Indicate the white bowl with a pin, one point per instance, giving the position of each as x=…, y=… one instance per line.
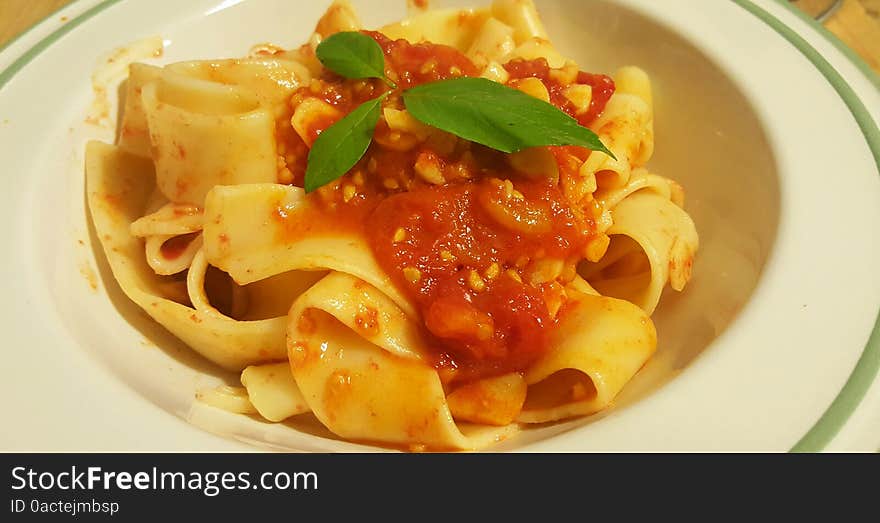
x=767, y=349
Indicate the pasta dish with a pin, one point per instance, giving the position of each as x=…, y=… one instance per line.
x=430, y=235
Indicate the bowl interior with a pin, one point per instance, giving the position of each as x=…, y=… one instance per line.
x=708, y=138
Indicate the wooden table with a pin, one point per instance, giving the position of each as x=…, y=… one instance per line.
x=856, y=22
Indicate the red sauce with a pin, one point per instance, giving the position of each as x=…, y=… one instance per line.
x=602, y=85
x=414, y=64
x=464, y=251
x=450, y=237
x=603, y=88
x=175, y=247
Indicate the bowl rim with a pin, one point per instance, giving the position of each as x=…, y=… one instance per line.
x=48, y=31
x=865, y=372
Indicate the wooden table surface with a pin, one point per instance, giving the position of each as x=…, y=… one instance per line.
x=856, y=22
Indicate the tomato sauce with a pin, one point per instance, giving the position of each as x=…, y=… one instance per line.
x=175, y=246
x=482, y=252
x=455, y=259
x=410, y=65
x=602, y=86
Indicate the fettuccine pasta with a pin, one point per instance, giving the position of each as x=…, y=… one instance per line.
x=439, y=295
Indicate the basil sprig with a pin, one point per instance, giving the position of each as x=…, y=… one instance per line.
x=496, y=116
x=341, y=145
x=475, y=109
x=353, y=55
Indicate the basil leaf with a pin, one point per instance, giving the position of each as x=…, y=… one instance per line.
x=352, y=55
x=496, y=116
x=342, y=144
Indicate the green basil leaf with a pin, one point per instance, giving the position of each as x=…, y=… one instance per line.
x=342, y=144
x=352, y=55
x=496, y=116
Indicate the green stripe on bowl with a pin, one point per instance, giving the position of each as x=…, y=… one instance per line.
x=865, y=371
x=837, y=42
x=32, y=53
x=9, y=43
